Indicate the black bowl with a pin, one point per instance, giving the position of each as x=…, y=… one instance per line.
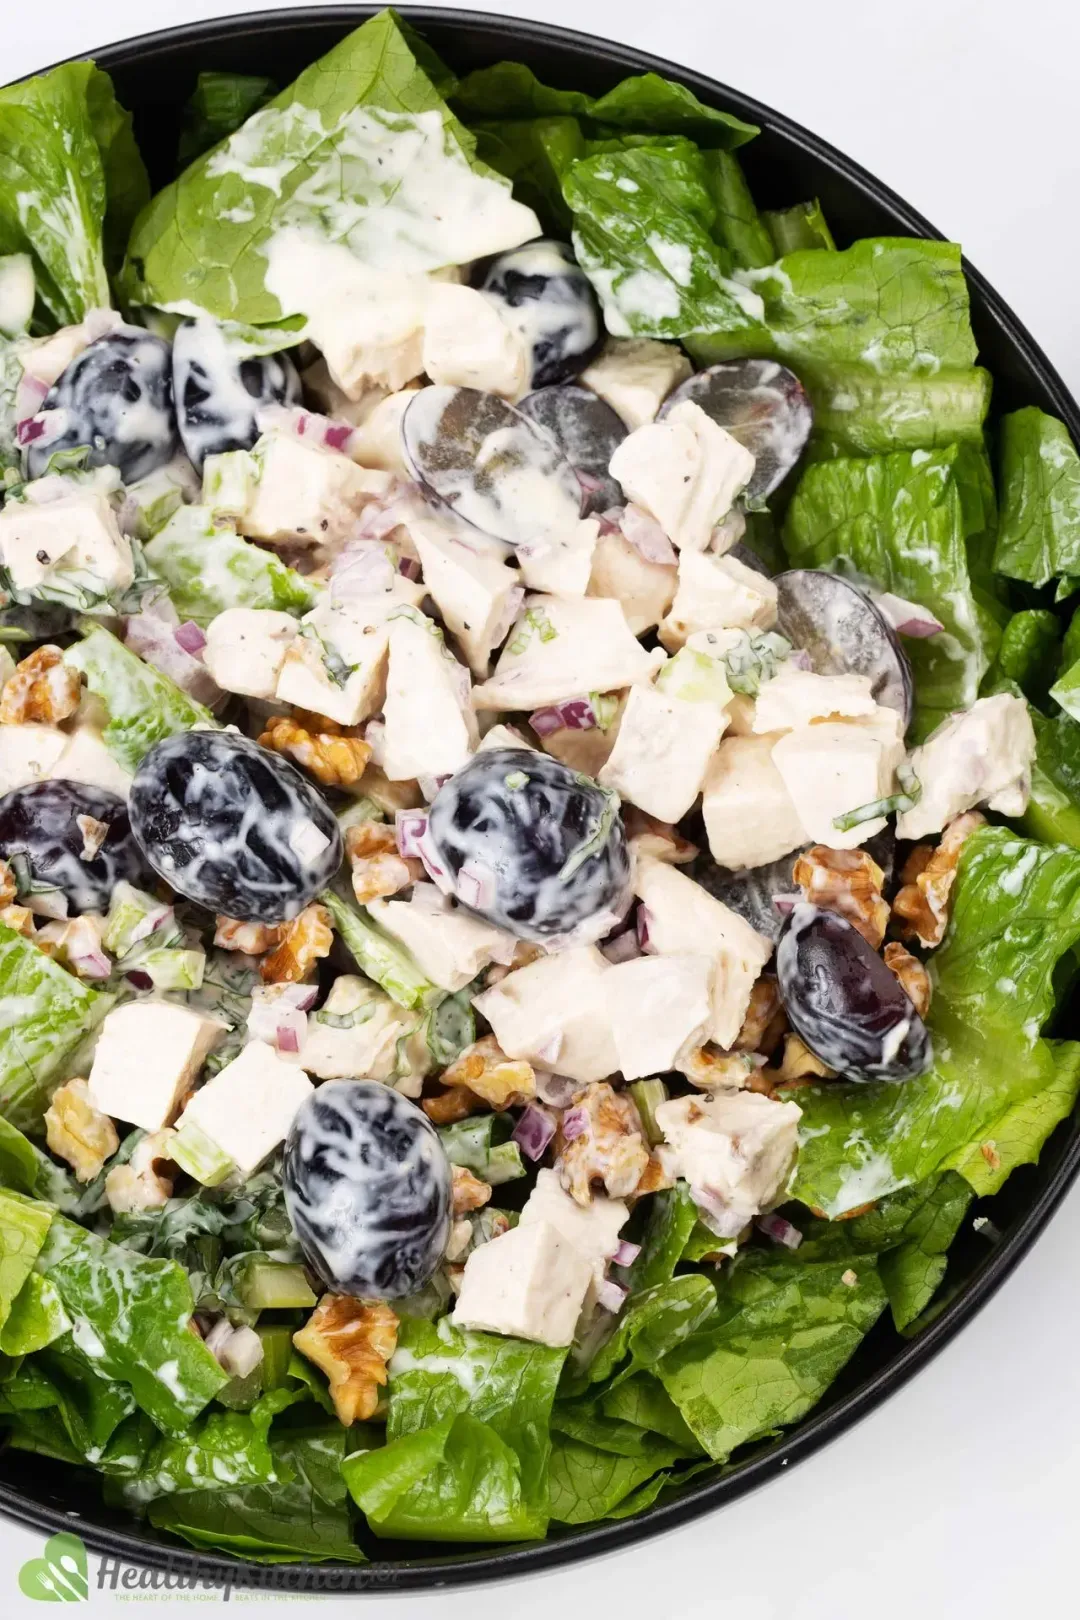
x=154, y=76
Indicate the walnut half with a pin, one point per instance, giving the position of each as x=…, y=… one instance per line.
x=307, y=938
x=351, y=1341
x=599, y=1139
x=334, y=760
x=848, y=882
x=913, y=977
x=42, y=689
x=78, y=1132
x=489, y=1074
x=928, y=876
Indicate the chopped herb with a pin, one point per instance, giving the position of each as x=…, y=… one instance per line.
x=894, y=804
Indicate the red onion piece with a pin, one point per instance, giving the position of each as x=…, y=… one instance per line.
x=611, y=521
x=573, y=714
x=409, y=828
x=779, y=1230
x=288, y=1039
x=647, y=537
x=574, y=1121
x=29, y=394
x=159, y=644
x=611, y=1296
x=29, y=429
x=433, y=867
x=626, y=1253
x=475, y=885
x=641, y=926
x=410, y=567
x=799, y=658
x=785, y=902
x=909, y=619
x=623, y=947
x=190, y=637
x=534, y=1131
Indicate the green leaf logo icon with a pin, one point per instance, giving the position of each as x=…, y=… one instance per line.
x=60, y=1575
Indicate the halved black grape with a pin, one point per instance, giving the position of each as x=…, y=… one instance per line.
x=844, y=634
x=845, y=1003
x=41, y=822
x=116, y=400
x=760, y=403
x=490, y=465
x=367, y=1188
x=234, y=827
x=532, y=846
x=548, y=298
x=587, y=431
x=218, y=393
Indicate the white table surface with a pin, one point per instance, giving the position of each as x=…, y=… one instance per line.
x=959, y=1497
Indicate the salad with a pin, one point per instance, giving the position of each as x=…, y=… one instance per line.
x=539, y=798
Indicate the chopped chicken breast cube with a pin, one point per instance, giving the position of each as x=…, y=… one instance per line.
x=645, y=590
x=658, y=1006
x=562, y=646
x=337, y=664
x=529, y=1283
x=685, y=471
x=735, y=1148
x=448, y=944
x=148, y=1054
x=662, y=751
x=430, y=725
x=983, y=756
x=750, y=816
x=476, y=593
x=635, y=376
x=795, y=697
x=246, y=647
x=306, y=494
x=717, y=593
x=593, y=1230
x=836, y=766
x=467, y=344
x=77, y=534
x=554, y=1013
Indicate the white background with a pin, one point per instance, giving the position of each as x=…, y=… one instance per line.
x=959, y=1498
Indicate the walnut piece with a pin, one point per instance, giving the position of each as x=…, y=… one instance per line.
x=42, y=688
x=654, y=1178
x=765, y=1021
x=351, y=1341
x=928, y=875
x=146, y=1181
x=447, y=1107
x=77, y=1131
x=599, y=1139
x=913, y=977
x=94, y=834
x=377, y=868
x=468, y=1192
x=799, y=1063
x=485, y=1069
x=334, y=760
x=848, y=882
x=660, y=839
x=9, y=888
x=307, y=938
x=249, y=938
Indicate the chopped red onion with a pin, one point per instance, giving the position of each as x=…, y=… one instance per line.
x=30, y=429
x=91, y=964
x=189, y=636
x=475, y=885
x=574, y=1122
x=409, y=828
x=573, y=714
x=287, y=1036
x=430, y=785
x=29, y=393
x=534, y=1131
x=779, y=1230
x=623, y=947
x=611, y=1296
x=219, y=1336
x=160, y=645
x=647, y=537
x=785, y=902
x=410, y=567
x=907, y=618
x=433, y=867
x=141, y=980
x=799, y=658
x=304, y=424
x=641, y=926
x=626, y=1253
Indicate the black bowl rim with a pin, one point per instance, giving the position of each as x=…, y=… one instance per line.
x=818, y=1428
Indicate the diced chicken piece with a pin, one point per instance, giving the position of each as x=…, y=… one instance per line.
x=430, y=725
x=735, y=1148
x=685, y=471
x=554, y=1013
x=836, y=766
x=530, y=1283
x=85, y=758
x=246, y=1109
x=467, y=344
x=750, y=816
x=337, y=664
x=305, y=494
x=371, y=327
x=983, y=756
x=592, y=1230
x=658, y=1006
x=662, y=751
x=795, y=697
x=563, y=566
x=48, y=358
x=77, y=534
x=148, y=1054
x=644, y=590
x=684, y=920
x=562, y=646
x=476, y=593
x=635, y=376
x=449, y=945
x=504, y=737
x=377, y=439
x=246, y=647
x=717, y=593
x=28, y=754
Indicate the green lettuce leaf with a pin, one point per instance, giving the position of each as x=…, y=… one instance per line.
x=303, y=1516
x=1053, y=812
x=586, y=1482
x=906, y=522
x=738, y=226
x=651, y=1323
x=1017, y=1135
x=208, y=569
x=90, y=1410
x=219, y=104
x=24, y=1226
x=672, y=1217
x=859, y=411
x=131, y=1317
x=1029, y=653
x=144, y=706
x=785, y=1326
x=793, y=229
x=1016, y=911
x=468, y=1438
x=1039, y=536
x=643, y=1400
x=203, y=240
x=127, y=184
x=222, y=1451
x=36, y=1318
x=45, y=1013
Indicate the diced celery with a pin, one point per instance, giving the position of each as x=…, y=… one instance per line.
x=229, y=482
x=504, y=1164
x=128, y=910
x=173, y=970
x=240, y=1394
x=694, y=677
x=648, y=1095
x=194, y=1152
x=273, y=1285
x=381, y=958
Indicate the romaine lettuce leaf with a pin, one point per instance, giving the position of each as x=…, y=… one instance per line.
x=467, y=1438
x=859, y=411
x=1029, y=653
x=127, y=184
x=1039, y=536
x=786, y=1325
x=90, y=1409
x=587, y=1482
x=219, y=104
x=24, y=1226
x=222, y=1451
x=208, y=569
x=738, y=226
x=204, y=241
x=793, y=229
x=1053, y=812
x=644, y=1401
x=36, y=1318
x=45, y=1012
x=131, y=1317
x=906, y=522
x=672, y=1217
x=1016, y=911
x=144, y=706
